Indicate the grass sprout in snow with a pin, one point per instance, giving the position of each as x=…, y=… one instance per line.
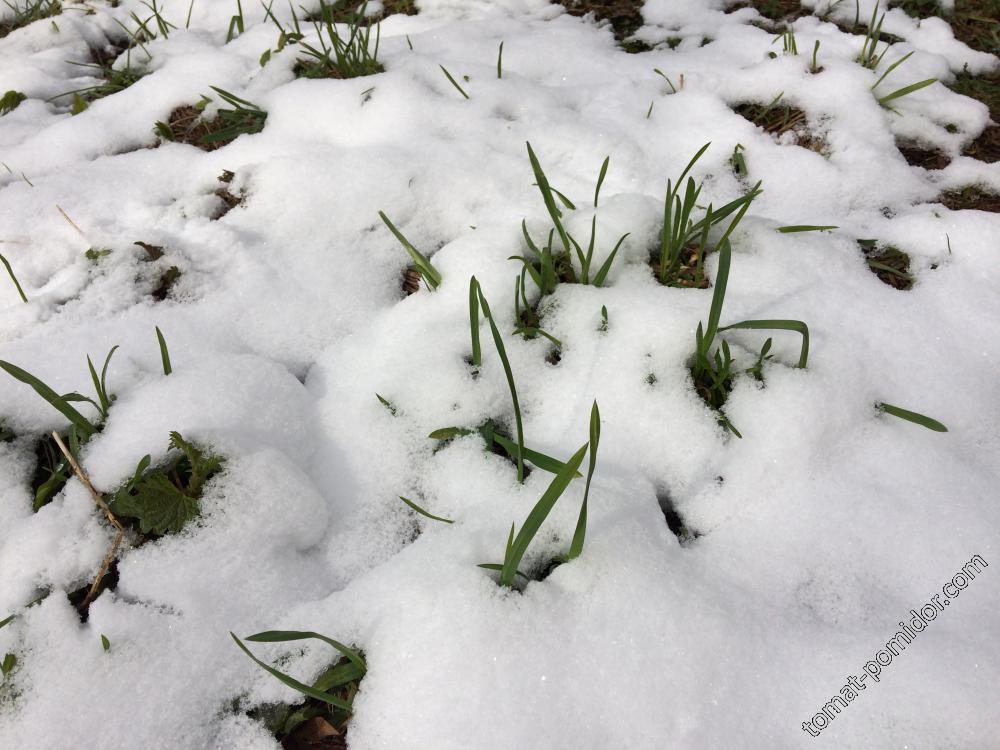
x=912, y=416
x=187, y=124
x=424, y=267
x=10, y=101
x=339, y=55
x=27, y=12
x=329, y=697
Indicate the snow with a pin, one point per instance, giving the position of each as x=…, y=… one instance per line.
x=818, y=530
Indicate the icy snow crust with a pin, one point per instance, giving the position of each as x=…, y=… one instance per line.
x=820, y=529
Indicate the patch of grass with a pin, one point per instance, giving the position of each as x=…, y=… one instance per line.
x=684, y=242
x=518, y=545
x=27, y=12
x=322, y=720
x=10, y=101
x=340, y=56
x=113, y=80
x=713, y=373
x=971, y=198
x=187, y=124
x=984, y=88
x=349, y=11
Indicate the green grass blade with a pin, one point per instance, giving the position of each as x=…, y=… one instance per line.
x=502, y=352
x=602, y=272
x=718, y=297
x=543, y=462
x=477, y=353
x=448, y=433
x=7, y=620
x=292, y=682
x=164, y=354
x=103, y=392
x=779, y=325
x=500, y=62
x=576, y=546
x=103, y=406
x=498, y=567
x=804, y=228
x=423, y=512
x=283, y=636
x=600, y=178
x=891, y=68
x=453, y=81
x=906, y=90
x=424, y=266
x=57, y=401
x=17, y=285
x=912, y=416
x=547, y=196
x=538, y=515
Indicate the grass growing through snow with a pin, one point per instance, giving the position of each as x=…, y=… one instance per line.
x=188, y=125
x=684, y=242
x=518, y=545
x=17, y=284
x=714, y=372
x=330, y=697
x=423, y=266
x=28, y=12
x=10, y=101
x=347, y=55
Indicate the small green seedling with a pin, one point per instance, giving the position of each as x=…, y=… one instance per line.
x=788, y=44
x=245, y=118
x=684, y=241
x=713, y=372
x=814, y=67
x=105, y=643
x=8, y=664
x=869, y=57
x=164, y=354
x=330, y=696
x=389, y=406
x=500, y=61
x=518, y=545
x=911, y=416
x=424, y=267
x=738, y=162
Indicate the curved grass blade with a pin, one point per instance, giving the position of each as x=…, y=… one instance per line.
x=576, y=546
x=60, y=403
x=547, y=196
x=502, y=352
x=600, y=178
x=500, y=62
x=906, y=90
x=912, y=416
x=477, y=353
x=778, y=325
x=283, y=636
x=164, y=354
x=424, y=266
x=718, y=297
x=291, y=681
x=543, y=462
x=17, y=285
x=423, y=512
x=537, y=516
x=602, y=272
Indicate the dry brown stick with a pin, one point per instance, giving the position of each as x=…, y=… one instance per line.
x=71, y=222
x=99, y=499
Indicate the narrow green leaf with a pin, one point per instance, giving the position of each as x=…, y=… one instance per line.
x=57, y=401
x=600, y=179
x=602, y=272
x=387, y=404
x=906, y=90
x=543, y=462
x=477, y=353
x=718, y=297
x=453, y=81
x=447, y=433
x=912, y=416
x=423, y=512
x=804, y=228
x=576, y=546
x=424, y=266
x=164, y=354
x=292, y=682
x=105, y=643
x=499, y=61
x=547, y=195
x=498, y=567
x=7, y=620
x=538, y=515
x=779, y=325
x=17, y=285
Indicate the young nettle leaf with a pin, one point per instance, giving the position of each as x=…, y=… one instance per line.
x=164, y=498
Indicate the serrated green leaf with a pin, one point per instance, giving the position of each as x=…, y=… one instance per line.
x=157, y=504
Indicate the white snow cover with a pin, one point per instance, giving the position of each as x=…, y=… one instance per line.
x=819, y=530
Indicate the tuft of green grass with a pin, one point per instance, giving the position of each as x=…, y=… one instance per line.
x=10, y=101
x=347, y=55
x=788, y=43
x=684, y=242
x=912, y=416
x=245, y=118
x=28, y=12
x=330, y=697
x=713, y=372
x=113, y=80
x=424, y=267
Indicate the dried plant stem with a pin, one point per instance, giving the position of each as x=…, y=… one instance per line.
x=120, y=531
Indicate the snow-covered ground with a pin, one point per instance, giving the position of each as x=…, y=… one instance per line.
x=817, y=532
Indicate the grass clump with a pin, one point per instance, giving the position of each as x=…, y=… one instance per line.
x=187, y=123
x=714, y=372
x=890, y=264
x=348, y=55
x=518, y=545
x=28, y=12
x=113, y=80
x=684, y=242
x=13, y=278
x=322, y=719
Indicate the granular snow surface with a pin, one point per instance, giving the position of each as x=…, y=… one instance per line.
x=805, y=543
